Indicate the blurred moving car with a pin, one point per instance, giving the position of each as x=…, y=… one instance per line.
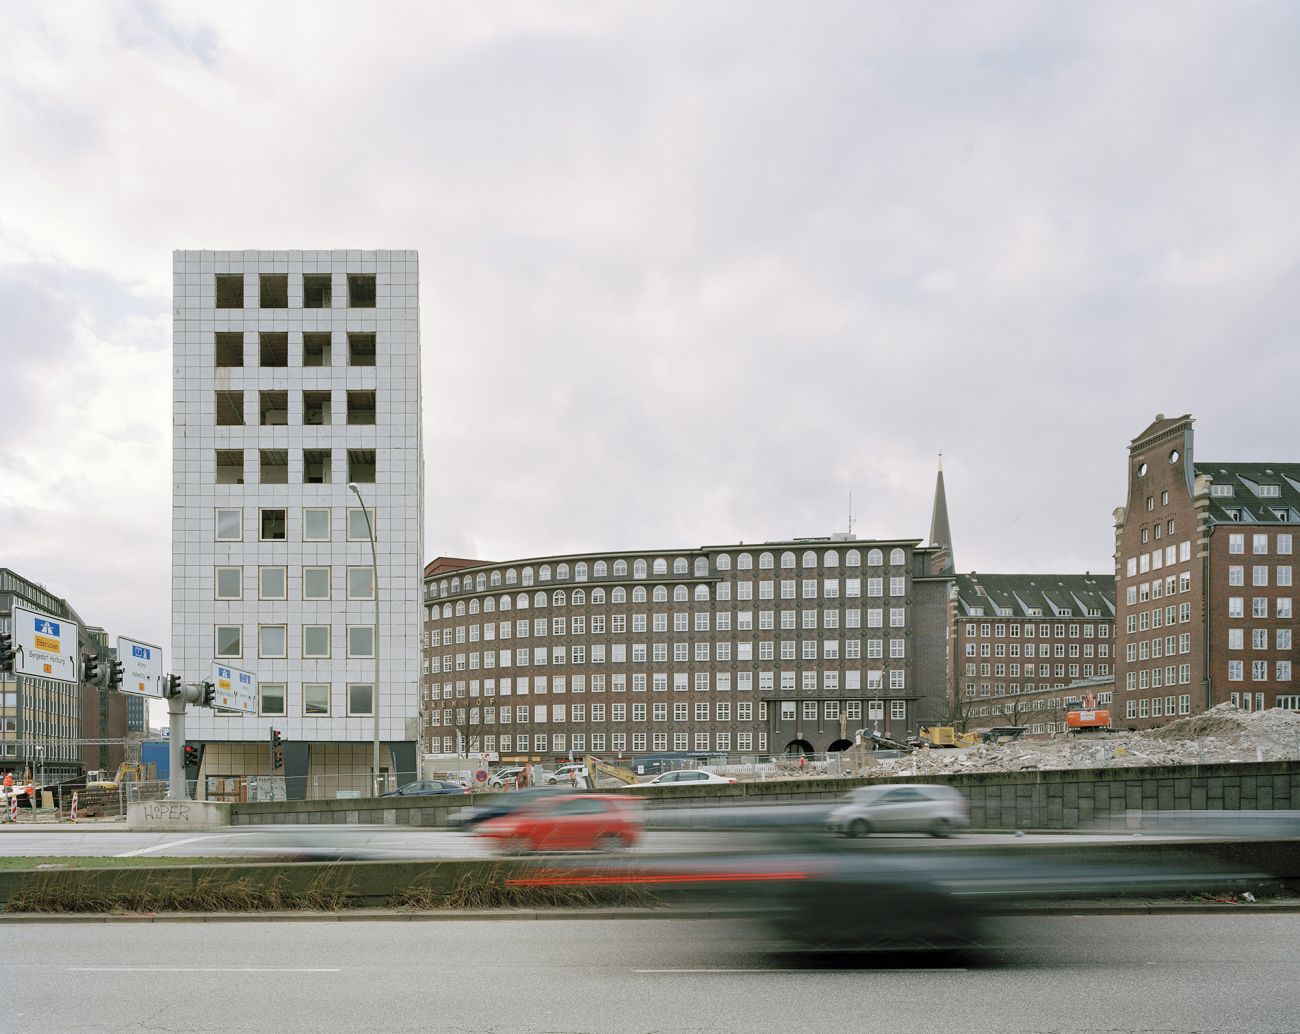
x=901, y=808
x=694, y=776
x=570, y=822
x=498, y=804
x=426, y=788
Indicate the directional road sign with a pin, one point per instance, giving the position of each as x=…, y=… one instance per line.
x=142, y=668
x=44, y=646
x=235, y=690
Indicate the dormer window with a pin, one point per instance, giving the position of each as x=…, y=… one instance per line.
x=1268, y=491
x=1221, y=490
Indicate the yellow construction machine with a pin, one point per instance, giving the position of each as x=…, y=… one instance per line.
x=127, y=771
x=612, y=774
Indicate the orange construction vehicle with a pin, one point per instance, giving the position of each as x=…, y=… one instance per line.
x=1087, y=717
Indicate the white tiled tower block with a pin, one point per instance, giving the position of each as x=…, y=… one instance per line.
x=395, y=498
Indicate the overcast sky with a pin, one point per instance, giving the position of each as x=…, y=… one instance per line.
x=691, y=273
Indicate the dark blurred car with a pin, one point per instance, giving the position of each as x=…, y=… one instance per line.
x=426, y=788
x=575, y=822
x=495, y=805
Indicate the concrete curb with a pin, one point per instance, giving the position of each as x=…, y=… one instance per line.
x=1081, y=909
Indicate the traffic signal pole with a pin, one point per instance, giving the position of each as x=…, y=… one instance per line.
x=193, y=693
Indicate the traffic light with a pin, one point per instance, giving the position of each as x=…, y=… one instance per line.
x=276, y=739
x=173, y=687
x=114, y=674
x=209, y=694
x=6, y=653
x=277, y=753
x=191, y=756
x=89, y=667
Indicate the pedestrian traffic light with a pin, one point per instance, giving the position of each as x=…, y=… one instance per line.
x=276, y=738
x=209, y=694
x=114, y=674
x=191, y=756
x=6, y=653
x=89, y=667
x=173, y=686
x=277, y=753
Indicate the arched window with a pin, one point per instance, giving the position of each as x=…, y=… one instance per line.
x=521, y=601
x=511, y=577
x=787, y=560
x=445, y=587
x=638, y=569
x=446, y=610
x=561, y=572
x=480, y=583
x=599, y=570
x=831, y=559
x=539, y=599
x=724, y=562
x=580, y=571
x=455, y=585
x=526, y=576
x=701, y=566
x=744, y=562
x=460, y=608
x=544, y=573
x=809, y=559
x=660, y=566
x=489, y=605
x=701, y=594
x=661, y=594
x=619, y=595
x=620, y=568
x=495, y=579
x=766, y=561
x=597, y=597
x=852, y=558
x=897, y=556
x=680, y=566
x=680, y=595
x=875, y=558
x=505, y=603
x=557, y=598
x=579, y=598
x=473, y=606
x=638, y=594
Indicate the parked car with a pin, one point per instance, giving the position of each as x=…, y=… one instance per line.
x=504, y=777
x=425, y=788
x=691, y=777
x=498, y=804
x=901, y=808
x=564, y=774
x=566, y=823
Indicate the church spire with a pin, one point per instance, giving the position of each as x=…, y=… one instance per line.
x=940, y=533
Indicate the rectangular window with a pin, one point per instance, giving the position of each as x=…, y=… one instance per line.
x=316, y=524
x=360, y=698
x=230, y=290
x=230, y=466
x=317, y=466
x=361, y=466
x=362, y=291
x=316, y=583
x=272, y=583
x=316, y=699
x=272, y=526
x=361, y=584
x=271, y=641
x=227, y=641
x=229, y=525
x=316, y=641
x=898, y=709
x=359, y=527
x=229, y=583
x=271, y=698
x=361, y=640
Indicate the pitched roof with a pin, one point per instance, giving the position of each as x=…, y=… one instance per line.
x=1253, y=493
x=1161, y=425
x=1035, y=595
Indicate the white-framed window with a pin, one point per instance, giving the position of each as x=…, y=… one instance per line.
x=361, y=583
x=272, y=583
x=357, y=529
x=227, y=641
x=270, y=698
x=316, y=641
x=316, y=699
x=315, y=583
x=272, y=641
x=361, y=640
x=229, y=525
x=228, y=583
x=361, y=698
x=898, y=710
x=316, y=524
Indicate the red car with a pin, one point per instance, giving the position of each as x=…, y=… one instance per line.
x=568, y=823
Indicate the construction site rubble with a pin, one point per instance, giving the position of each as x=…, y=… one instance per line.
x=1222, y=734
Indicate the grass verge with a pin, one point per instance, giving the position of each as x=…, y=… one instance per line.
x=99, y=861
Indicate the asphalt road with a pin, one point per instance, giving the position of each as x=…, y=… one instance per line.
x=405, y=842
x=1238, y=974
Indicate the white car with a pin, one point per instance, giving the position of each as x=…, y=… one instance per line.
x=686, y=777
x=563, y=774
x=901, y=808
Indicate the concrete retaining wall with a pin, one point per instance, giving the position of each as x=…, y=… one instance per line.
x=176, y=815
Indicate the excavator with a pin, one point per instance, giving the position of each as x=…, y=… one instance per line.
x=127, y=771
x=1087, y=717
x=613, y=775
x=946, y=736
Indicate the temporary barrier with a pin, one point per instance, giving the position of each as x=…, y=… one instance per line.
x=74, y=805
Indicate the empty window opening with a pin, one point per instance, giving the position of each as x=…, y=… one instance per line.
x=230, y=466
x=275, y=467
x=361, y=349
x=361, y=466
x=230, y=408
x=229, y=349
x=274, y=407
x=361, y=407
x=273, y=523
x=273, y=291
x=230, y=290
x=316, y=466
x=361, y=290
x=316, y=290
x=273, y=349
x=315, y=350
x=316, y=408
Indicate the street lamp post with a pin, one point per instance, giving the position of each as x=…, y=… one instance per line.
x=374, y=576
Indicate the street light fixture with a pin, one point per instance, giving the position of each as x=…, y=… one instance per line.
x=374, y=577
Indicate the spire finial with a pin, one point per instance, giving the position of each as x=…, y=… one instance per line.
x=940, y=463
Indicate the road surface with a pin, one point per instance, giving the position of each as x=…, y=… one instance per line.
x=1067, y=975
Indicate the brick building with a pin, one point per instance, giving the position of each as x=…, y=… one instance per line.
x=719, y=649
x=1204, y=565
x=1022, y=645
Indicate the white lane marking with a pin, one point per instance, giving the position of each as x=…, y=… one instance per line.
x=193, y=969
x=179, y=843
x=808, y=969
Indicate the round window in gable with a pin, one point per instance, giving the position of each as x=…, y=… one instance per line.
x=1142, y=470
x=1173, y=456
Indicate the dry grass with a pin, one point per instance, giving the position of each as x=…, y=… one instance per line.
x=488, y=890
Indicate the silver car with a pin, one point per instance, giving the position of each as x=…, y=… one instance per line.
x=901, y=808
